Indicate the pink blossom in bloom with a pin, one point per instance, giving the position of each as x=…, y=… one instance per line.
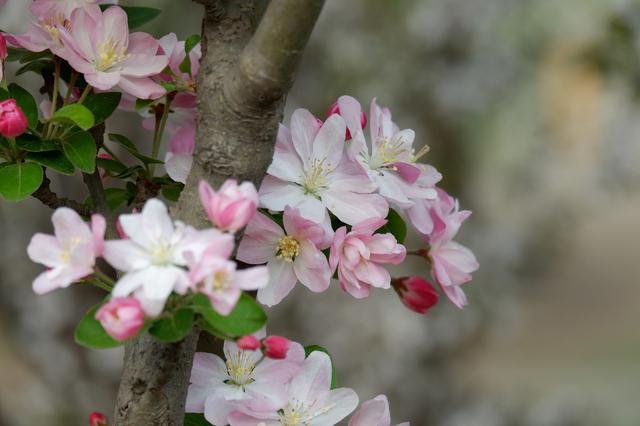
x=155, y=254
x=121, y=318
x=310, y=172
x=98, y=419
x=335, y=109
x=275, y=347
x=103, y=50
x=292, y=254
x=175, y=51
x=217, y=277
x=250, y=343
x=311, y=401
x=451, y=263
x=245, y=380
x=232, y=206
x=416, y=293
x=374, y=412
x=179, y=157
x=70, y=254
x=13, y=121
x=359, y=255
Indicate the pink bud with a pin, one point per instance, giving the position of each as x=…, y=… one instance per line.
x=3, y=48
x=122, y=318
x=416, y=293
x=248, y=343
x=97, y=419
x=232, y=207
x=13, y=122
x=335, y=109
x=275, y=347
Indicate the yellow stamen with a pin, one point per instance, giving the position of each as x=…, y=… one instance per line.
x=288, y=248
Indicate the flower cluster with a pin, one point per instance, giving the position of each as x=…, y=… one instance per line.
x=329, y=199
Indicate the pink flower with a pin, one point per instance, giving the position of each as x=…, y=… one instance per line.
x=179, y=157
x=216, y=277
x=121, y=318
x=69, y=255
x=335, y=109
x=250, y=343
x=310, y=172
x=246, y=380
x=53, y=8
x=374, y=412
x=98, y=419
x=175, y=50
x=3, y=54
x=275, y=347
x=102, y=49
x=416, y=293
x=291, y=255
x=232, y=206
x=310, y=400
x=156, y=253
x=360, y=254
x=13, y=122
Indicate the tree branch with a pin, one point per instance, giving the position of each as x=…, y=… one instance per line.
x=51, y=199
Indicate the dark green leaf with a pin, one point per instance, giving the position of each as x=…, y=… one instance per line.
x=14, y=54
x=395, y=225
x=116, y=197
x=33, y=56
x=26, y=102
x=102, y=105
x=137, y=16
x=195, y=419
x=191, y=42
x=80, y=149
x=36, y=66
x=143, y=103
x=90, y=333
x=111, y=165
x=18, y=181
x=314, y=348
x=52, y=159
x=78, y=114
x=129, y=172
x=172, y=192
x=31, y=143
x=4, y=95
x=174, y=328
x=247, y=317
x=133, y=150
x=185, y=65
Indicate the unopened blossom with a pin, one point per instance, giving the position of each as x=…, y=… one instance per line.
x=248, y=343
x=98, y=419
x=293, y=254
x=359, y=256
x=232, y=206
x=179, y=157
x=416, y=293
x=3, y=54
x=175, y=50
x=275, y=347
x=310, y=172
x=220, y=280
x=102, y=49
x=374, y=412
x=13, y=121
x=70, y=254
x=310, y=399
x=121, y=318
x=155, y=254
x=244, y=380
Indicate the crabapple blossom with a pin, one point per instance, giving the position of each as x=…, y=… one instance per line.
x=359, y=255
x=232, y=206
x=179, y=157
x=102, y=49
x=275, y=347
x=98, y=419
x=13, y=121
x=311, y=401
x=245, y=380
x=155, y=253
x=292, y=254
x=310, y=172
x=175, y=51
x=248, y=343
x=416, y=293
x=70, y=254
x=374, y=412
x=121, y=318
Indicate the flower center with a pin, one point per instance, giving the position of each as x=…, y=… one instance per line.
x=288, y=248
x=110, y=55
x=219, y=281
x=296, y=413
x=393, y=151
x=315, y=177
x=69, y=247
x=161, y=253
x=240, y=368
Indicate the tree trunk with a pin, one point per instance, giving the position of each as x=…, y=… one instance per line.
x=242, y=85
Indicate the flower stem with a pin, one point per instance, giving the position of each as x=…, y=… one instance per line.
x=104, y=278
x=72, y=85
x=85, y=93
x=54, y=96
x=159, y=132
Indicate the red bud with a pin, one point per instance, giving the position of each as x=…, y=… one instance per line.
x=275, y=347
x=248, y=343
x=416, y=293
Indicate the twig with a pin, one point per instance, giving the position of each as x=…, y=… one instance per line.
x=51, y=199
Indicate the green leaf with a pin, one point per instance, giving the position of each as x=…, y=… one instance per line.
x=195, y=419
x=111, y=165
x=191, y=42
x=31, y=143
x=136, y=15
x=314, y=348
x=90, y=333
x=172, y=192
x=185, y=65
x=37, y=67
x=133, y=150
x=116, y=197
x=247, y=317
x=174, y=328
x=55, y=160
x=80, y=149
x=78, y=114
x=395, y=225
x=4, y=95
x=129, y=172
x=18, y=181
x=26, y=103
x=102, y=105
x=143, y=103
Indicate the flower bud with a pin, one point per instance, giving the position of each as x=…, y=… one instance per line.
x=232, y=206
x=416, y=293
x=13, y=122
x=275, y=347
x=122, y=318
x=335, y=109
x=97, y=419
x=248, y=343
x=3, y=48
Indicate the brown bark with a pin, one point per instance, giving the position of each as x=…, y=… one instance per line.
x=242, y=86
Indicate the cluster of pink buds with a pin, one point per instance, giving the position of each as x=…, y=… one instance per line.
x=274, y=347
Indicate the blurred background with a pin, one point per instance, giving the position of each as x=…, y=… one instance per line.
x=531, y=111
